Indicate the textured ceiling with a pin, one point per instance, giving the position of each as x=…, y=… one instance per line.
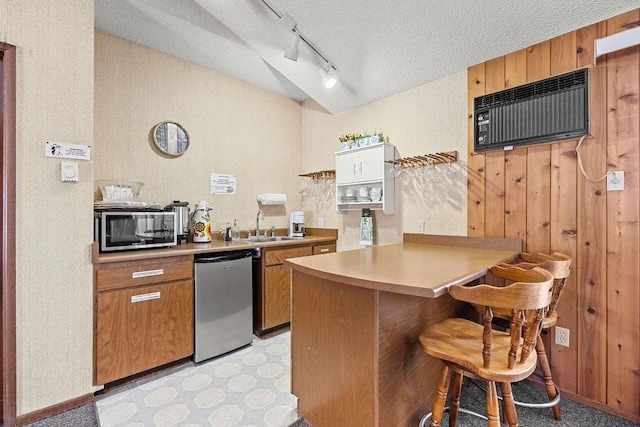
x=380, y=48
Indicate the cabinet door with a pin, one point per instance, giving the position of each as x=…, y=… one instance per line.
x=276, y=308
x=370, y=164
x=142, y=328
x=346, y=168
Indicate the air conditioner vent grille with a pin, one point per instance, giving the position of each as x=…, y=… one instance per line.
x=547, y=110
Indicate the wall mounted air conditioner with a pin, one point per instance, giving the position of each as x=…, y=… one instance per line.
x=548, y=110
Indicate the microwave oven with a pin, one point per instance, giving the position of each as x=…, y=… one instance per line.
x=128, y=230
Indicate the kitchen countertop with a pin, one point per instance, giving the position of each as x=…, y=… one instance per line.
x=416, y=269
x=326, y=236
x=356, y=318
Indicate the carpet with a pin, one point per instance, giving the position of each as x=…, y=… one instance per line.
x=574, y=414
x=82, y=416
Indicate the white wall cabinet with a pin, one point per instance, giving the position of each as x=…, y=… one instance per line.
x=365, y=167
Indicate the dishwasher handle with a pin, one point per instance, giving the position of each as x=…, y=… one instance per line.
x=225, y=256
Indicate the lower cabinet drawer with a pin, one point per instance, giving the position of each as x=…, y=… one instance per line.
x=278, y=256
x=324, y=249
x=142, y=328
x=135, y=273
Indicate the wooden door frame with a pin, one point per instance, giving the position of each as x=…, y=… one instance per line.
x=8, y=232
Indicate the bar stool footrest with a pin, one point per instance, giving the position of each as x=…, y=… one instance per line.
x=427, y=417
x=549, y=404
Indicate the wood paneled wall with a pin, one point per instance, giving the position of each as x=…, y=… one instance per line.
x=539, y=194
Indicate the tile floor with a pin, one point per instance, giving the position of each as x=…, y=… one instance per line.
x=248, y=387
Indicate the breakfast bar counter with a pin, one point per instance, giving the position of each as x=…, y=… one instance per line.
x=356, y=318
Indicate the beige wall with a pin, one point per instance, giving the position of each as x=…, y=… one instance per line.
x=54, y=282
x=427, y=119
x=235, y=128
x=264, y=139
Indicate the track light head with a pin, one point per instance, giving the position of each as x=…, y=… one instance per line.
x=328, y=72
x=329, y=78
x=292, y=52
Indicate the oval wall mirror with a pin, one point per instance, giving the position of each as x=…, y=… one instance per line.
x=170, y=138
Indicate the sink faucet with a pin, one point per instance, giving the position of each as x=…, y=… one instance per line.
x=260, y=212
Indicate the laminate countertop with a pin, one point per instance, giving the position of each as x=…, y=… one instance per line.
x=328, y=236
x=356, y=319
x=416, y=269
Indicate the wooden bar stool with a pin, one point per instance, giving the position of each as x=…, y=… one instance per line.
x=559, y=265
x=479, y=351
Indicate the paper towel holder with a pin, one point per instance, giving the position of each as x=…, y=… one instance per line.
x=272, y=198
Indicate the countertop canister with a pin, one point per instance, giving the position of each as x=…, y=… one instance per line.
x=201, y=223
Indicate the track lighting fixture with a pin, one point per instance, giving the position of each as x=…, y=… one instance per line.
x=328, y=72
x=292, y=52
x=329, y=78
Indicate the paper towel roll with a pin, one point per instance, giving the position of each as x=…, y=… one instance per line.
x=272, y=199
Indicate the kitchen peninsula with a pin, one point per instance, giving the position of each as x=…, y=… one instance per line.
x=356, y=318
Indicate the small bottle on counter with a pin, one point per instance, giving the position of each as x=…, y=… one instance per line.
x=235, y=230
x=227, y=233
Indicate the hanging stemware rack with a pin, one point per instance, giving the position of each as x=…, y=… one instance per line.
x=315, y=176
x=425, y=159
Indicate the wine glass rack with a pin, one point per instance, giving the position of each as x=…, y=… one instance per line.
x=425, y=159
x=315, y=176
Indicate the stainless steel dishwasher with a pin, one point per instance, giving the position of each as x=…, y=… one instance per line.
x=223, y=303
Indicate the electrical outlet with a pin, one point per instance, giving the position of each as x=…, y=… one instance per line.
x=562, y=336
x=615, y=181
x=421, y=227
x=320, y=222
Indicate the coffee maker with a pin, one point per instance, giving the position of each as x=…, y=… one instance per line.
x=296, y=224
x=181, y=210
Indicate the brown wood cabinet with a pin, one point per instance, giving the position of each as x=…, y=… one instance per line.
x=143, y=315
x=272, y=284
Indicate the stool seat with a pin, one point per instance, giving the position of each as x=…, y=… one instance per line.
x=479, y=351
x=559, y=265
x=456, y=341
x=550, y=320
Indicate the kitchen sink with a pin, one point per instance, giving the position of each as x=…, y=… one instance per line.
x=261, y=239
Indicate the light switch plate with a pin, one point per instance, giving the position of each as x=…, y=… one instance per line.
x=615, y=180
x=69, y=171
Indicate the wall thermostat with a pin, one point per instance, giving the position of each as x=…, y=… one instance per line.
x=69, y=171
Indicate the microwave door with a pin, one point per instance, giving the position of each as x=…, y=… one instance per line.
x=120, y=230
x=137, y=230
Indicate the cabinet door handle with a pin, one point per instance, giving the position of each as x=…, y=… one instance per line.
x=354, y=168
x=145, y=297
x=360, y=168
x=324, y=250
